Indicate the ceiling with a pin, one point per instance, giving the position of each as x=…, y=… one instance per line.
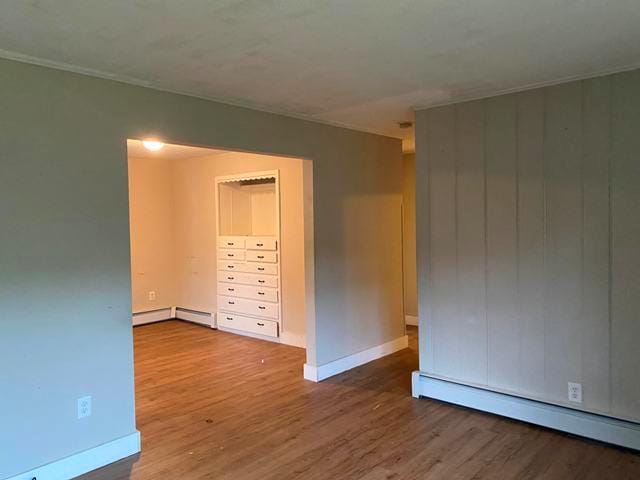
x=364, y=64
x=169, y=151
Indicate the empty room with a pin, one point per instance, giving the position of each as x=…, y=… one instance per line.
x=285, y=239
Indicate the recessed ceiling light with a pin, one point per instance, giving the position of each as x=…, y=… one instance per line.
x=152, y=145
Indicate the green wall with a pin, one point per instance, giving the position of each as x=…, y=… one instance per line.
x=65, y=292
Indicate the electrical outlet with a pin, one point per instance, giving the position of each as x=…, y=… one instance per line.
x=575, y=392
x=84, y=407
x=152, y=295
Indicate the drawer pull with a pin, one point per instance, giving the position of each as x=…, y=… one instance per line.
x=230, y=243
x=261, y=269
x=231, y=289
x=260, y=256
x=230, y=255
x=231, y=278
x=260, y=281
x=230, y=319
x=259, y=244
x=231, y=303
x=260, y=293
x=261, y=307
x=230, y=266
x=260, y=324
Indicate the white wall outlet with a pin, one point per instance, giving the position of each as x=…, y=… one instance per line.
x=575, y=392
x=152, y=295
x=84, y=407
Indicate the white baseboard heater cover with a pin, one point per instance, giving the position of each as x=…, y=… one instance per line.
x=605, y=429
x=152, y=316
x=195, y=316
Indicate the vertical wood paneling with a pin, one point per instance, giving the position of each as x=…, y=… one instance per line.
x=595, y=323
x=547, y=202
x=563, y=268
x=501, y=175
x=471, y=331
x=625, y=268
x=443, y=242
x=531, y=217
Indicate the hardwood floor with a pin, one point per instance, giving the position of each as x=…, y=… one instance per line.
x=212, y=405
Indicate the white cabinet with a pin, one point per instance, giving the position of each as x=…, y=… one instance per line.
x=248, y=223
x=248, y=307
x=248, y=291
x=270, y=281
x=261, y=243
x=258, y=256
x=234, y=321
x=231, y=242
x=249, y=267
x=229, y=254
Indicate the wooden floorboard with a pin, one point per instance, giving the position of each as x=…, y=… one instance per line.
x=213, y=405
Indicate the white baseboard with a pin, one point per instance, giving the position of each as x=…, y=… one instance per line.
x=411, y=320
x=83, y=462
x=317, y=374
x=293, y=339
x=196, y=316
x=152, y=316
x=589, y=425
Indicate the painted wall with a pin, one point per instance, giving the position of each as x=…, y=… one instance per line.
x=528, y=233
x=195, y=214
x=151, y=210
x=409, y=234
x=65, y=281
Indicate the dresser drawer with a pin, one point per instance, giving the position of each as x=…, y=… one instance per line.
x=248, y=279
x=253, y=325
x=230, y=266
x=257, y=256
x=248, y=291
x=261, y=243
x=228, y=254
x=261, y=268
x=248, y=307
x=231, y=242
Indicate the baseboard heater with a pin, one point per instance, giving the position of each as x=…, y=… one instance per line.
x=202, y=318
x=605, y=429
x=151, y=316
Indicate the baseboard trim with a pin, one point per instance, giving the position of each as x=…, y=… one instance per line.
x=322, y=372
x=152, y=316
x=597, y=427
x=86, y=461
x=411, y=320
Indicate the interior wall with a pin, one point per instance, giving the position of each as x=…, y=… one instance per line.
x=528, y=238
x=409, y=234
x=151, y=213
x=65, y=287
x=195, y=225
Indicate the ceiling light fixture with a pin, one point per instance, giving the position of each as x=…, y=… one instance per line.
x=152, y=145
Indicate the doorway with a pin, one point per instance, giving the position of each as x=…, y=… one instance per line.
x=189, y=263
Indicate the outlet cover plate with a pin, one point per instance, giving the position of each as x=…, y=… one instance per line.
x=575, y=392
x=84, y=407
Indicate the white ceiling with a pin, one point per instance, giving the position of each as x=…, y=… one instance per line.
x=169, y=151
x=357, y=63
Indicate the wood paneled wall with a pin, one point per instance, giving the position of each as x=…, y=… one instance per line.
x=528, y=233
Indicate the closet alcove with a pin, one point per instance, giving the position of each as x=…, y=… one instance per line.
x=248, y=254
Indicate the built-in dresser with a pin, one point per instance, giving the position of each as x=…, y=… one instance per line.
x=248, y=252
